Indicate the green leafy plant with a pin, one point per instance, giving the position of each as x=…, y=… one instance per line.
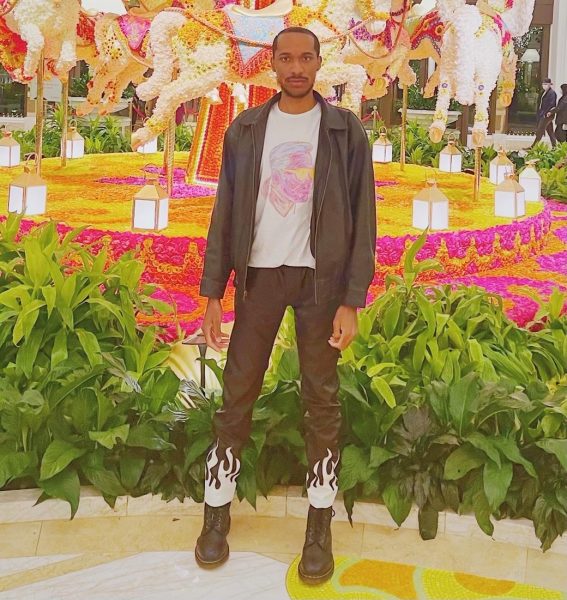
x=183, y=138
x=417, y=101
x=447, y=404
x=83, y=388
x=102, y=134
x=78, y=85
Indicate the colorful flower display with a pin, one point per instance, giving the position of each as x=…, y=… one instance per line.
x=49, y=27
x=477, y=48
x=513, y=258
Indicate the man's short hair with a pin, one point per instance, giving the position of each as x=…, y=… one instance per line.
x=316, y=42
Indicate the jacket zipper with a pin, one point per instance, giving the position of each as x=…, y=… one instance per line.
x=252, y=212
x=319, y=210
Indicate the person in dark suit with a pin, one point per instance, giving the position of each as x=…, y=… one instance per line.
x=545, y=113
x=560, y=113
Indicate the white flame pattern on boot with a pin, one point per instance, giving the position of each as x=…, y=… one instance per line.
x=322, y=482
x=220, y=482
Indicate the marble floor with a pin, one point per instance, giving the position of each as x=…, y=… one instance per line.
x=143, y=557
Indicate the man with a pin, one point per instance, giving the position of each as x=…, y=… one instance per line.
x=295, y=218
x=560, y=113
x=547, y=103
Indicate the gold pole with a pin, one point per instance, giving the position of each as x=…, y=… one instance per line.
x=403, y=135
x=39, y=108
x=477, y=172
x=170, y=154
x=64, y=124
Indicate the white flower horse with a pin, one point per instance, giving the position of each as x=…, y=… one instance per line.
x=233, y=44
x=477, y=46
x=48, y=26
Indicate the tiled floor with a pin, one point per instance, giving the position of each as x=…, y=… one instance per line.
x=143, y=557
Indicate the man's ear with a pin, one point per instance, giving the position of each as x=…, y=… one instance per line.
x=272, y=63
x=320, y=62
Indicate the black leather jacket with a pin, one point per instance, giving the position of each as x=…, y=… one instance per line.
x=343, y=221
x=561, y=111
x=547, y=103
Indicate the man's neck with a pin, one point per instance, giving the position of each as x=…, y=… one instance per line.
x=296, y=106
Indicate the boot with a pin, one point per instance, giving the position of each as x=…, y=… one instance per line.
x=317, y=564
x=212, y=548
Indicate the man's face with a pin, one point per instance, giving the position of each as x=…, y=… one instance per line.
x=296, y=63
x=545, y=86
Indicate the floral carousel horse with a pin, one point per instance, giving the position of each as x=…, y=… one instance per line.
x=234, y=44
x=14, y=49
x=122, y=57
x=477, y=48
x=386, y=59
x=44, y=26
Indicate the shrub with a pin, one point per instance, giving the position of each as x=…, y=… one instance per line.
x=82, y=387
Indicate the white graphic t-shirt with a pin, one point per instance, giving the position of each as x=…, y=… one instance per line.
x=285, y=198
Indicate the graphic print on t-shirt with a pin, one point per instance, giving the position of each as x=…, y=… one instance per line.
x=291, y=179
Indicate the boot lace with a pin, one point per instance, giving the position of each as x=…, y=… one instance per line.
x=318, y=523
x=216, y=518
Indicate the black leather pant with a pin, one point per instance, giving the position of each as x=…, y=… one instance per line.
x=257, y=320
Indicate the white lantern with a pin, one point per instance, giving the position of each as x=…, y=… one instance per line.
x=530, y=180
x=500, y=167
x=382, y=148
x=431, y=208
x=27, y=194
x=510, y=199
x=75, y=144
x=9, y=151
x=451, y=159
x=150, y=208
x=149, y=147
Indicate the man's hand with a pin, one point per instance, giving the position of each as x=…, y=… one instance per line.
x=345, y=327
x=215, y=338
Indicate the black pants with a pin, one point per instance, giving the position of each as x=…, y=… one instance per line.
x=560, y=133
x=257, y=320
x=545, y=125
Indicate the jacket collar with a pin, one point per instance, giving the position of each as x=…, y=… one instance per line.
x=330, y=115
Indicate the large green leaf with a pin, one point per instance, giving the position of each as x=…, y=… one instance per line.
x=486, y=444
x=383, y=390
x=510, y=450
x=463, y=401
x=27, y=353
x=145, y=436
x=65, y=486
x=557, y=448
x=26, y=320
x=462, y=460
x=59, y=350
x=131, y=469
x=14, y=464
x=110, y=437
x=90, y=345
x=496, y=479
x=428, y=519
x=354, y=467
x=397, y=504
x=104, y=480
x=37, y=264
x=59, y=454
